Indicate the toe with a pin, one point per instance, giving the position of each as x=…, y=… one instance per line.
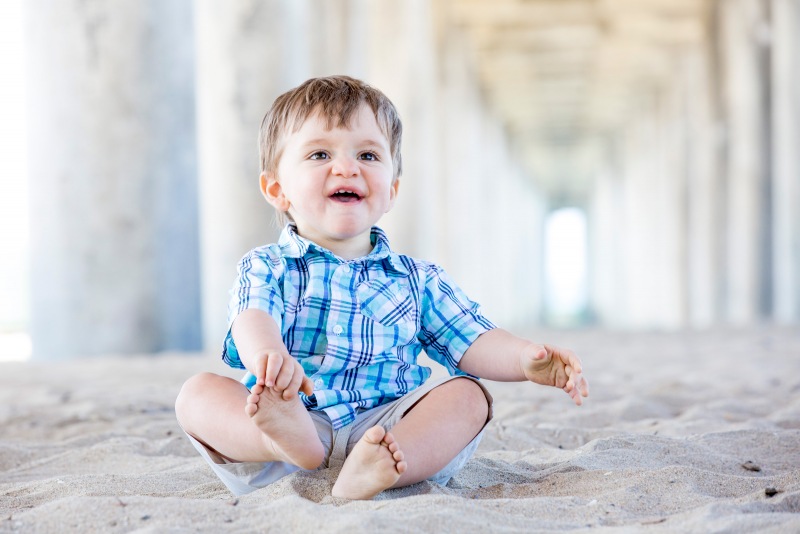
x=388, y=439
x=375, y=434
x=401, y=467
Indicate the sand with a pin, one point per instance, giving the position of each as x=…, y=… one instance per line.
x=696, y=432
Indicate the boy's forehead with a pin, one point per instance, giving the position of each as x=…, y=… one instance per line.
x=329, y=121
x=319, y=122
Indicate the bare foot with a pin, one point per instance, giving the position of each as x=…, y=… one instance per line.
x=286, y=426
x=374, y=464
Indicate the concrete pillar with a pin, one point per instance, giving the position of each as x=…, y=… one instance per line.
x=640, y=210
x=489, y=223
x=741, y=38
x=606, y=243
x=652, y=240
x=786, y=158
x=401, y=61
x=704, y=202
x=462, y=167
x=621, y=228
x=526, y=231
x=113, y=178
x=248, y=52
x=497, y=247
x=672, y=163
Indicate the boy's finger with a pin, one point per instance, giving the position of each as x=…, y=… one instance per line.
x=580, y=385
x=569, y=359
x=261, y=370
x=306, y=385
x=293, y=386
x=575, y=395
x=274, y=365
x=285, y=376
x=539, y=354
x=584, y=386
x=575, y=362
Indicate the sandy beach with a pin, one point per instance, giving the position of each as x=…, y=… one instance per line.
x=695, y=432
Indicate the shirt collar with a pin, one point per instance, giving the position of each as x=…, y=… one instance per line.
x=294, y=246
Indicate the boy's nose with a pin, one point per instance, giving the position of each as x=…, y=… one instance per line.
x=345, y=166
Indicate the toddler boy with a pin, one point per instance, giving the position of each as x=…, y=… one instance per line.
x=329, y=322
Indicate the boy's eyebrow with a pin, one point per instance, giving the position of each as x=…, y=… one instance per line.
x=313, y=142
x=373, y=143
x=323, y=141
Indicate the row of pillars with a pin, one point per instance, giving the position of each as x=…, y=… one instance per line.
x=143, y=125
x=144, y=194
x=695, y=219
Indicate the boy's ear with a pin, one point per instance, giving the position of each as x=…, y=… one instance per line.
x=393, y=193
x=272, y=191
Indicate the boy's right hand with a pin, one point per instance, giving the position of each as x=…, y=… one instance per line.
x=261, y=348
x=278, y=370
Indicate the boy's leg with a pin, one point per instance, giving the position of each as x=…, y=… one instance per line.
x=430, y=434
x=439, y=426
x=211, y=408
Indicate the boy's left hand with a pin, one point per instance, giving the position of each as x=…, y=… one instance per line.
x=552, y=366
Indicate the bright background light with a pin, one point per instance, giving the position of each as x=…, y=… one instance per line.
x=566, y=286
x=14, y=340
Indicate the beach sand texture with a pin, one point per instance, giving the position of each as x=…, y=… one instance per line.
x=695, y=432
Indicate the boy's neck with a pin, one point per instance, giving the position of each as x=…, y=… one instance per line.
x=351, y=251
x=347, y=249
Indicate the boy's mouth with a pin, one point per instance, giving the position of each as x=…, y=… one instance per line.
x=345, y=195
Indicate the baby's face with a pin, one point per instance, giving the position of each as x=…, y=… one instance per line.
x=336, y=184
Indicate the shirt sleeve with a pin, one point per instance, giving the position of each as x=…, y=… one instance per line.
x=450, y=321
x=257, y=286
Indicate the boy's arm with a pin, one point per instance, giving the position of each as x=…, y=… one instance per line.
x=262, y=351
x=502, y=356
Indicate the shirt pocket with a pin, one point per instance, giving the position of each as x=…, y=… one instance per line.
x=387, y=302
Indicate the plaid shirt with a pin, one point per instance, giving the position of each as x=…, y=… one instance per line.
x=355, y=326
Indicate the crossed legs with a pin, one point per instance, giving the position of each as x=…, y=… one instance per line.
x=422, y=443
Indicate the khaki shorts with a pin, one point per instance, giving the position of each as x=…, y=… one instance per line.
x=244, y=477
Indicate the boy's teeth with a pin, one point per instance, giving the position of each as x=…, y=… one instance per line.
x=346, y=192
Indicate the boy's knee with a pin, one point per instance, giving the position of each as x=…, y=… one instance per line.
x=476, y=405
x=188, y=394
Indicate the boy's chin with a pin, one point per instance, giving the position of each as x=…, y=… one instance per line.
x=351, y=235
x=350, y=229
x=339, y=233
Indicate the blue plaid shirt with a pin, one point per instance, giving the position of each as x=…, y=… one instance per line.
x=358, y=326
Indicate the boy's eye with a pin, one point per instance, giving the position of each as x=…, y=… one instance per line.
x=369, y=156
x=319, y=155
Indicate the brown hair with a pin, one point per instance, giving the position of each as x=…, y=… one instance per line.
x=337, y=99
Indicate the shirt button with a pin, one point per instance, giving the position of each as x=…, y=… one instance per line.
x=338, y=329
x=318, y=383
x=346, y=267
